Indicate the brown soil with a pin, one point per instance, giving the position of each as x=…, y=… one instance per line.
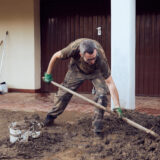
x=71, y=138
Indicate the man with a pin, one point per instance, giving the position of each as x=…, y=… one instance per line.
x=88, y=62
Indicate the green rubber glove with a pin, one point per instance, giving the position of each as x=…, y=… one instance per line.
x=118, y=111
x=48, y=78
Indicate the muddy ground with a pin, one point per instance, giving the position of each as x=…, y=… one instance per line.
x=71, y=138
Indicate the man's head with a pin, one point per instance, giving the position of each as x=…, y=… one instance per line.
x=88, y=50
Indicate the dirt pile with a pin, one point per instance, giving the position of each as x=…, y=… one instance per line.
x=74, y=140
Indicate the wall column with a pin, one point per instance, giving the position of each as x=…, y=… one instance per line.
x=123, y=13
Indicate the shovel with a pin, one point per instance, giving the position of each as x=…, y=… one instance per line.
x=130, y=122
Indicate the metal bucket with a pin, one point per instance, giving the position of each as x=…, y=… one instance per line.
x=21, y=134
x=17, y=134
x=3, y=88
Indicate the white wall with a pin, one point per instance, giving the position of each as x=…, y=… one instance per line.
x=37, y=46
x=123, y=50
x=22, y=61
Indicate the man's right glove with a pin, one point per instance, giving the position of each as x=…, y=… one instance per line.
x=118, y=110
x=48, y=78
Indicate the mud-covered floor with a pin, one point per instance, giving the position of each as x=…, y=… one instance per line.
x=71, y=138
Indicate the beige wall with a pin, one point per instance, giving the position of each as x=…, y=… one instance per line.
x=21, y=69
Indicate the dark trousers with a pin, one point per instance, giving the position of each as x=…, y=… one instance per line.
x=73, y=79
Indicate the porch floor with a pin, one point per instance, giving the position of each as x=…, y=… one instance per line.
x=32, y=102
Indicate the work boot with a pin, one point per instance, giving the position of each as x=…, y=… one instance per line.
x=48, y=121
x=98, y=135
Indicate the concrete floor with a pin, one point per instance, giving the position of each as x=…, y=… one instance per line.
x=44, y=102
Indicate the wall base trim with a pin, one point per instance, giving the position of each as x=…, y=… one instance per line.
x=24, y=90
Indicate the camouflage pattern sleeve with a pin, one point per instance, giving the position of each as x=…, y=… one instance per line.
x=67, y=52
x=100, y=49
x=105, y=69
x=71, y=50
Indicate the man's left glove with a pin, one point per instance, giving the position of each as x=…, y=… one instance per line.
x=118, y=110
x=48, y=78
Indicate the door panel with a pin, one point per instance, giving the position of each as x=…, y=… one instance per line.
x=61, y=29
x=64, y=21
x=147, y=49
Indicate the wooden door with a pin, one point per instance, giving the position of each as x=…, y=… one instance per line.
x=148, y=49
x=59, y=29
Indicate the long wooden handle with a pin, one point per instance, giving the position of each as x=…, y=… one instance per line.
x=80, y=96
x=138, y=126
x=130, y=122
